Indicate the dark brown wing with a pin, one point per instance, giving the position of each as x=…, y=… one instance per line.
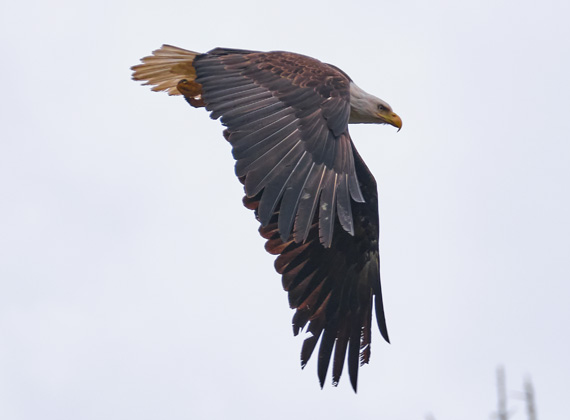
x=287, y=118
x=333, y=289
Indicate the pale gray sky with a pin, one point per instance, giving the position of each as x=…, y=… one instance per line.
x=134, y=285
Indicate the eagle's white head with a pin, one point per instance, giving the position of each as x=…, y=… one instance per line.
x=368, y=109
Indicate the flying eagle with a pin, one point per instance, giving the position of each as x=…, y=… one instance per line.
x=287, y=119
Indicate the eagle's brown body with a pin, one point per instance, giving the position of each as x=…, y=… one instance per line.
x=287, y=120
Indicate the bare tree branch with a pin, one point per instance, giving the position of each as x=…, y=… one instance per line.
x=529, y=398
x=502, y=412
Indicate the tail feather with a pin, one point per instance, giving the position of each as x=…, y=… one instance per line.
x=166, y=68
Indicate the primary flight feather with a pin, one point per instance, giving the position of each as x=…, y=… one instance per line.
x=287, y=119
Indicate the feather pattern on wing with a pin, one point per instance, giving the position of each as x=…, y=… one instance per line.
x=287, y=117
x=333, y=289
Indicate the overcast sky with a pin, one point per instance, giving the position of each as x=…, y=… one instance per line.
x=134, y=285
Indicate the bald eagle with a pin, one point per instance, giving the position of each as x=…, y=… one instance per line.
x=286, y=117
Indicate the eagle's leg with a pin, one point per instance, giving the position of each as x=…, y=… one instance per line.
x=192, y=92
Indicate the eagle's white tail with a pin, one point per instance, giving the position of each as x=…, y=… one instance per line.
x=165, y=68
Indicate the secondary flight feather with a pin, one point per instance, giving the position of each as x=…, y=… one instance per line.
x=286, y=117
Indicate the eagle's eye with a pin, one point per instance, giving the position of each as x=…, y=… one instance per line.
x=382, y=108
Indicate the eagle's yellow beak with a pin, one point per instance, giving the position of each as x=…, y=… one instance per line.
x=391, y=118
